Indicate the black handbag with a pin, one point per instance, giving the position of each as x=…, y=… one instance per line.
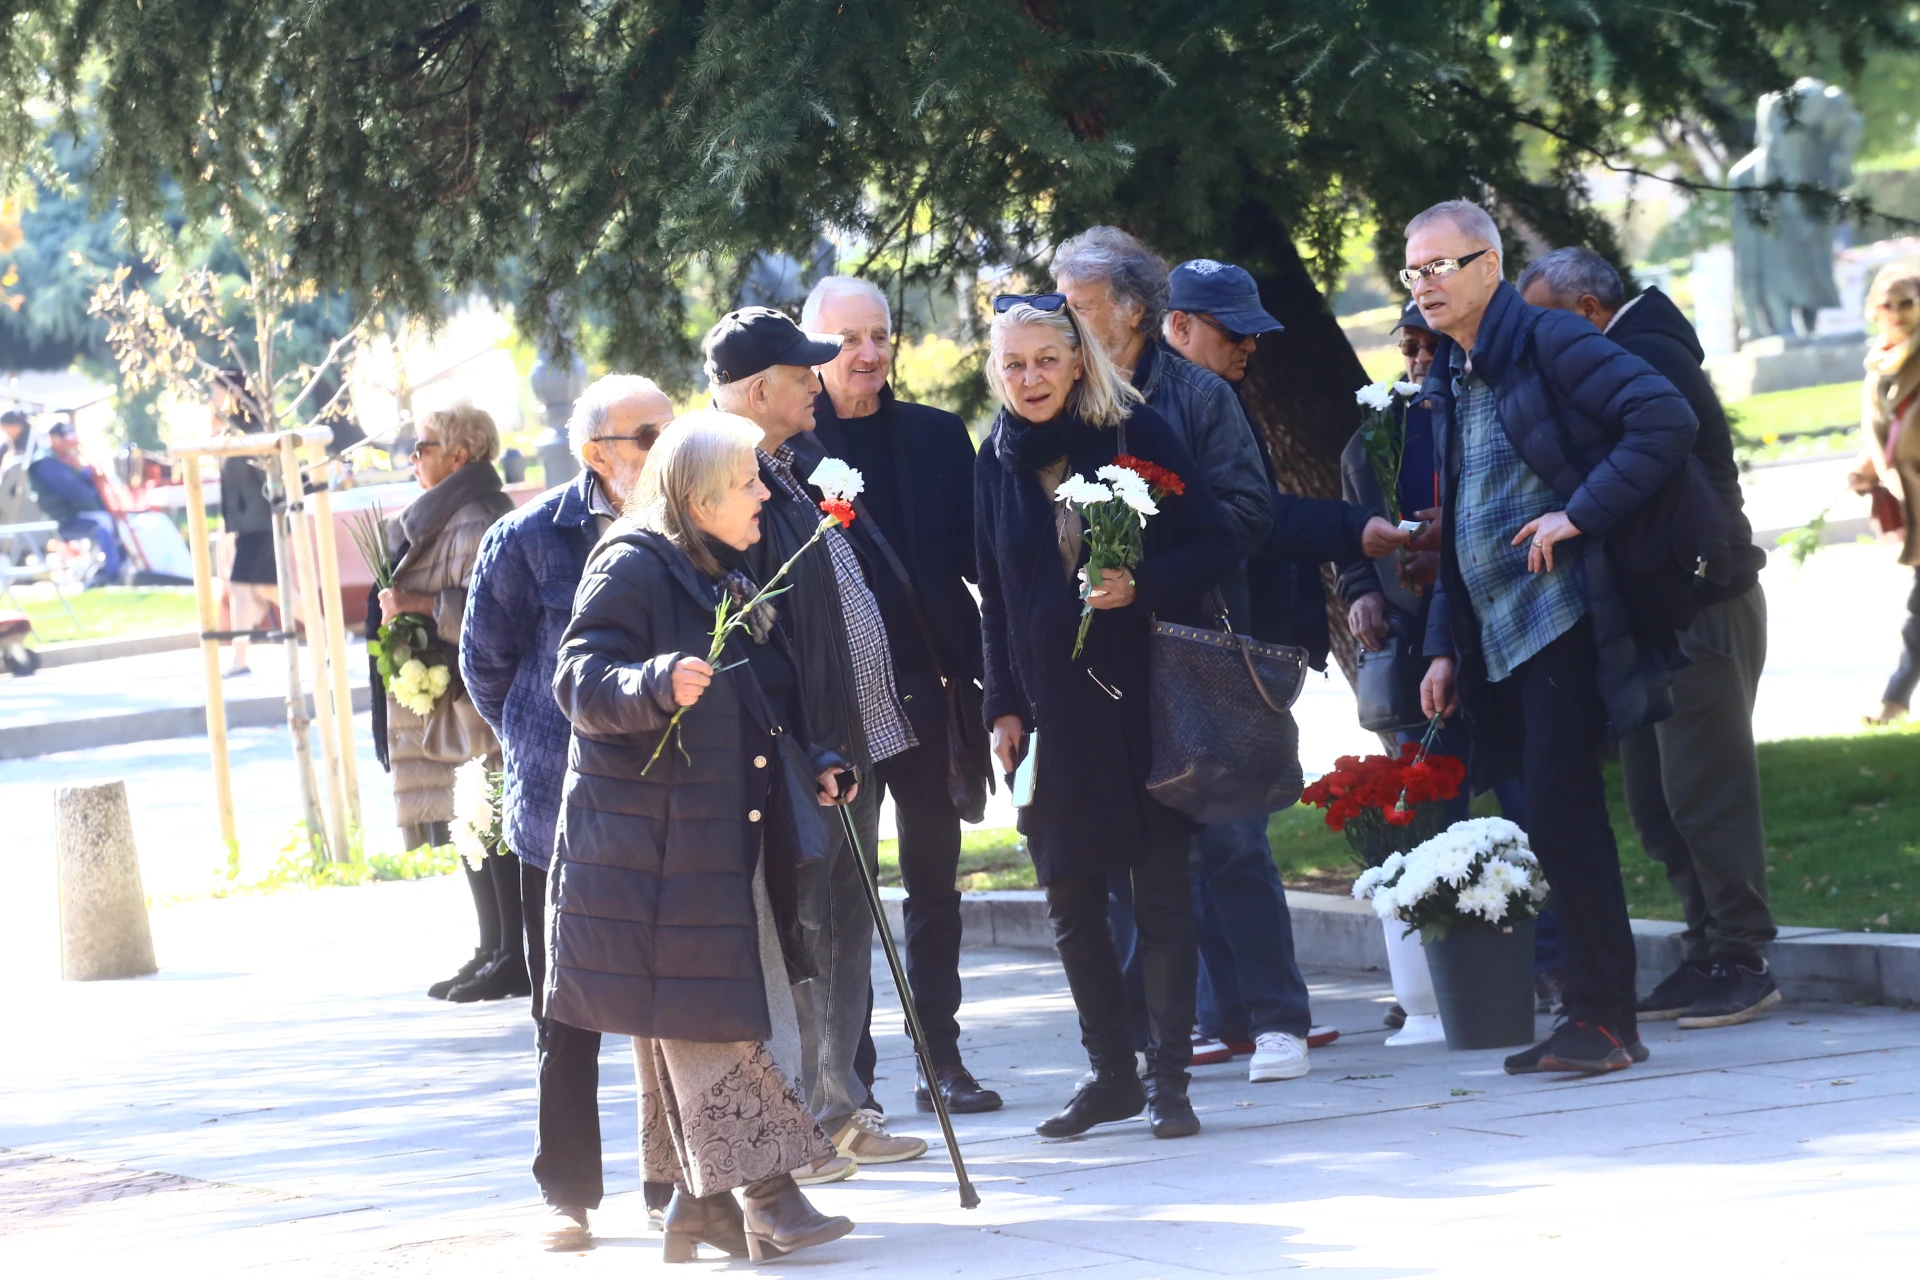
x=1387, y=683
x=1225, y=745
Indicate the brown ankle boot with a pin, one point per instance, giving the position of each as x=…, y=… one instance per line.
x=696, y=1220
x=779, y=1220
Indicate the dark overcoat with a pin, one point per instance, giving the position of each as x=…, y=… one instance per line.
x=651, y=925
x=1605, y=436
x=1091, y=813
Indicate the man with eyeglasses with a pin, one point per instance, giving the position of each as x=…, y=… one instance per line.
x=1547, y=437
x=518, y=605
x=1693, y=781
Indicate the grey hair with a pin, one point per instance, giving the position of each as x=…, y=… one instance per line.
x=1574, y=272
x=590, y=410
x=831, y=287
x=1467, y=217
x=1101, y=397
x=465, y=427
x=691, y=465
x=1133, y=273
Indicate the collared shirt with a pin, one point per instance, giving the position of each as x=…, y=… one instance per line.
x=603, y=513
x=1520, y=613
x=882, y=721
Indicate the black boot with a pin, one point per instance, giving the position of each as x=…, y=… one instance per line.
x=1169, y=1114
x=1103, y=1097
x=696, y=1220
x=962, y=1093
x=779, y=1220
x=439, y=990
x=504, y=975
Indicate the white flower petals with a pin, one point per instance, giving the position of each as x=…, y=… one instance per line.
x=1483, y=865
x=838, y=481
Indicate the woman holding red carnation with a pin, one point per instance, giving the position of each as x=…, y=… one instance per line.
x=1065, y=412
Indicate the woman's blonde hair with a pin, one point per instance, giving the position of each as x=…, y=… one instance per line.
x=1890, y=278
x=693, y=463
x=1101, y=397
x=465, y=427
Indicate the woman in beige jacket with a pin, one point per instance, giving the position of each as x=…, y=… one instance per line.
x=1889, y=467
x=437, y=539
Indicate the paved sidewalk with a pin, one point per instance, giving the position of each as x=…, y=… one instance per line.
x=282, y=1101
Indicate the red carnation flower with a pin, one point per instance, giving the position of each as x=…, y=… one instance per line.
x=839, y=509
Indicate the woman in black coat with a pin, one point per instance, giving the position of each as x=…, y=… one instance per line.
x=1066, y=411
x=663, y=924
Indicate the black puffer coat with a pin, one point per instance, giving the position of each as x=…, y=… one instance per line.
x=651, y=928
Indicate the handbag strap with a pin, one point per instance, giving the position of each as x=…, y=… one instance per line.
x=1246, y=656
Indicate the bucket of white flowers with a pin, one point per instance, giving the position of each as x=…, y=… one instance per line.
x=1471, y=893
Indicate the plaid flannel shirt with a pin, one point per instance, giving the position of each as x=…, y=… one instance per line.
x=1520, y=613
x=882, y=721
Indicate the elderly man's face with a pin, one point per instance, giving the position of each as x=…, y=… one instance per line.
x=1453, y=304
x=1210, y=344
x=617, y=450
x=782, y=405
x=66, y=448
x=865, y=361
x=1418, y=346
x=1115, y=324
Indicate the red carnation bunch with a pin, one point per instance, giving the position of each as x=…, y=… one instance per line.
x=1388, y=804
x=840, y=509
x=1158, y=478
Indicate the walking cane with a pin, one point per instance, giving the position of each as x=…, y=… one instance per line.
x=969, y=1198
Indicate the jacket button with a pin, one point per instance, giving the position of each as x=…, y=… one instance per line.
x=907, y=698
x=753, y=815
x=759, y=762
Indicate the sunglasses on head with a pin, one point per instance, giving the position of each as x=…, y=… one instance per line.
x=1038, y=301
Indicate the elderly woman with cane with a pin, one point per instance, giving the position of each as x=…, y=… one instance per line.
x=1083, y=713
x=689, y=802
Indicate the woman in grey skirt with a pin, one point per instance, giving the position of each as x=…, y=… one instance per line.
x=673, y=878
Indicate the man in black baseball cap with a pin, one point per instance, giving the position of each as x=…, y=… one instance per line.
x=755, y=339
x=1214, y=316
x=1418, y=342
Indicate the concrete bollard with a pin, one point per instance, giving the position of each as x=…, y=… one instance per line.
x=103, y=907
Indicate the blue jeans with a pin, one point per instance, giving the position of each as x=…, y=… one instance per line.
x=98, y=526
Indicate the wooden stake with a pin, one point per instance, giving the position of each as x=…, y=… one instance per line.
x=210, y=653
x=322, y=512
x=319, y=624
x=297, y=720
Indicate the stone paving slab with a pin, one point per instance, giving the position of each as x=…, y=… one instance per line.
x=282, y=1101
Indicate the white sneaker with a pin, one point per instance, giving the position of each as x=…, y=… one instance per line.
x=864, y=1138
x=1277, y=1056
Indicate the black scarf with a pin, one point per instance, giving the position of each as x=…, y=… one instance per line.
x=1025, y=446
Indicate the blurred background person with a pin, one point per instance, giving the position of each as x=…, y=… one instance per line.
x=68, y=491
x=253, y=581
x=1889, y=466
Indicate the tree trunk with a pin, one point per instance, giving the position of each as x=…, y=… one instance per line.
x=1299, y=388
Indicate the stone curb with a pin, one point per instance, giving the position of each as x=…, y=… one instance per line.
x=69, y=652
x=1339, y=933
x=21, y=742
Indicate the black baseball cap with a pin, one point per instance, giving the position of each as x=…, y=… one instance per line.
x=753, y=339
x=1412, y=319
x=1221, y=290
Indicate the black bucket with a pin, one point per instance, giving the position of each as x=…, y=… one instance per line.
x=1483, y=980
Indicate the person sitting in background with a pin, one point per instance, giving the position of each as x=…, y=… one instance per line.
x=673, y=875
x=1889, y=467
x=518, y=606
x=68, y=491
x=16, y=437
x=1693, y=781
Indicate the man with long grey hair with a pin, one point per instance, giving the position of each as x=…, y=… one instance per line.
x=1693, y=780
x=518, y=606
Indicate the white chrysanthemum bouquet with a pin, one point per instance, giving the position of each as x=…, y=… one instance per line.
x=1115, y=505
x=1384, y=437
x=412, y=665
x=478, y=810
x=1477, y=873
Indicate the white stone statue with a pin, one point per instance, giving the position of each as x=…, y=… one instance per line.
x=1783, y=244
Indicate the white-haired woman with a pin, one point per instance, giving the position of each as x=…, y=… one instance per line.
x=435, y=541
x=1889, y=465
x=673, y=877
x=1065, y=410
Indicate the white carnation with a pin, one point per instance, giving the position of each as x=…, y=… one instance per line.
x=438, y=679
x=1407, y=389
x=837, y=480
x=1375, y=395
x=1082, y=492
x=1130, y=489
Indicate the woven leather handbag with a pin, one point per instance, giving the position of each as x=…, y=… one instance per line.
x=1225, y=745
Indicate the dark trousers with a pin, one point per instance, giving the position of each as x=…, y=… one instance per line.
x=1693, y=785
x=1550, y=708
x=1163, y=915
x=928, y=827
x=566, y=1147
x=1907, y=674
x=507, y=873
x=1249, y=979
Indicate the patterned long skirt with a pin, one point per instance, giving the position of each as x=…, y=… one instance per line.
x=714, y=1117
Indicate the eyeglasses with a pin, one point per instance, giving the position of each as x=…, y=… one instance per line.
x=1038, y=301
x=646, y=438
x=1414, y=346
x=422, y=446
x=1233, y=336
x=1439, y=268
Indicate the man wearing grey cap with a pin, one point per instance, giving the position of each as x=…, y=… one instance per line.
x=762, y=367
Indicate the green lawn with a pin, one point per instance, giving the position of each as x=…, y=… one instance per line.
x=1843, y=839
x=1777, y=424
x=107, y=612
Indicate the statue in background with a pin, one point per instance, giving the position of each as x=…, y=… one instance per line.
x=1783, y=244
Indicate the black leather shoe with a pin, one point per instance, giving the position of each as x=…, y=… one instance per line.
x=1170, y=1115
x=438, y=991
x=959, y=1090
x=498, y=979
x=1100, y=1099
